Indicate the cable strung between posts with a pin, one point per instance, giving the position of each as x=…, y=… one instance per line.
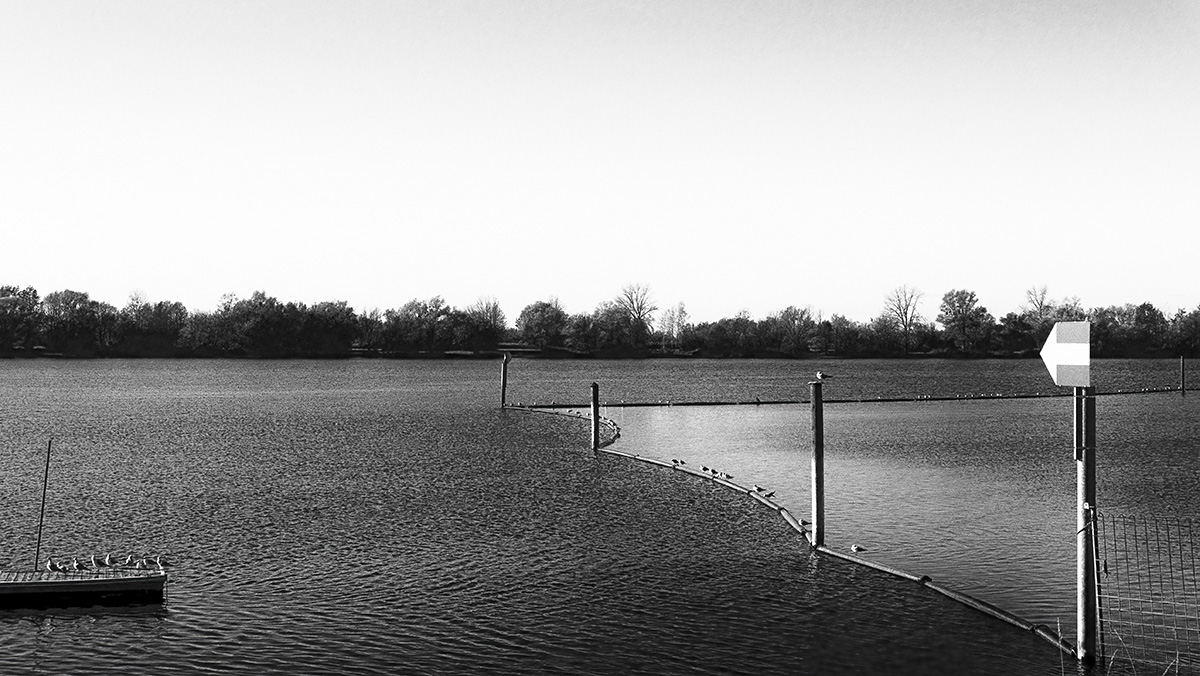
x=847, y=400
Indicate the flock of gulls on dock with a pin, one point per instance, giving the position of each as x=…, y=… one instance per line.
x=93, y=563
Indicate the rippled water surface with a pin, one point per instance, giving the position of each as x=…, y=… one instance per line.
x=380, y=517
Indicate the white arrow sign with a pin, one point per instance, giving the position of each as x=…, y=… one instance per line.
x=1068, y=354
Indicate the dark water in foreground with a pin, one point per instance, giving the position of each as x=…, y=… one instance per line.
x=385, y=518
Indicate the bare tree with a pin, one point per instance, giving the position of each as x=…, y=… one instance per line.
x=1040, y=307
x=635, y=301
x=901, y=305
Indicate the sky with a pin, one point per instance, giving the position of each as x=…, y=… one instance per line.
x=733, y=156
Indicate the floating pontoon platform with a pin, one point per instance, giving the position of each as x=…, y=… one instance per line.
x=44, y=588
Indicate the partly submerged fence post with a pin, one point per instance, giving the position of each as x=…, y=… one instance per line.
x=1086, y=606
x=504, y=380
x=818, y=466
x=595, y=416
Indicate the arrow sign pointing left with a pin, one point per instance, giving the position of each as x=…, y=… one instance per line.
x=1068, y=354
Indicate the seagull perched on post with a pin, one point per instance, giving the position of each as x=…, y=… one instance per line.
x=821, y=375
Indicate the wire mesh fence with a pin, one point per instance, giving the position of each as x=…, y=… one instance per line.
x=1149, y=591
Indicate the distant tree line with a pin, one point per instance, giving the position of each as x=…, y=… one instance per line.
x=630, y=325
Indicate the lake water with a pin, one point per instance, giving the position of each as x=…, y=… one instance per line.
x=385, y=517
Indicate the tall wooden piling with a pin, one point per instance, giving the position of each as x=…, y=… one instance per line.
x=504, y=380
x=595, y=416
x=1086, y=606
x=818, y=465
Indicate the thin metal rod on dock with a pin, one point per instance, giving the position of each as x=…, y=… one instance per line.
x=37, y=554
x=1086, y=609
x=818, y=466
x=595, y=416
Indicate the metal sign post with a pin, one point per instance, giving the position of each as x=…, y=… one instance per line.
x=1086, y=607
x=1067, y=355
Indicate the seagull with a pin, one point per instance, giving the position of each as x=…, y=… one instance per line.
x=682, y=462
x=97, y=564
x=728, y=476
x=857, y=548
x=76, y=565
x=769, y=495
x=758, y=489
x=160, y=563
x=703, y=468
x=52, y=566
x=821, y=375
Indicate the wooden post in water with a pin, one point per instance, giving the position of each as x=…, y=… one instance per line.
x=595, y=417
x=1086, y=607
x=818, y=465
x=504, y=380
x=1182, y=376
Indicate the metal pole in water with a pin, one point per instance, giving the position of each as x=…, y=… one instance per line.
x=818, y=466
x=595, y=416
x=37, y=555
x=1086, y=607
x=504, y=380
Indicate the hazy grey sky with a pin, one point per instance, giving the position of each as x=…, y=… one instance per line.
x=729, y=155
